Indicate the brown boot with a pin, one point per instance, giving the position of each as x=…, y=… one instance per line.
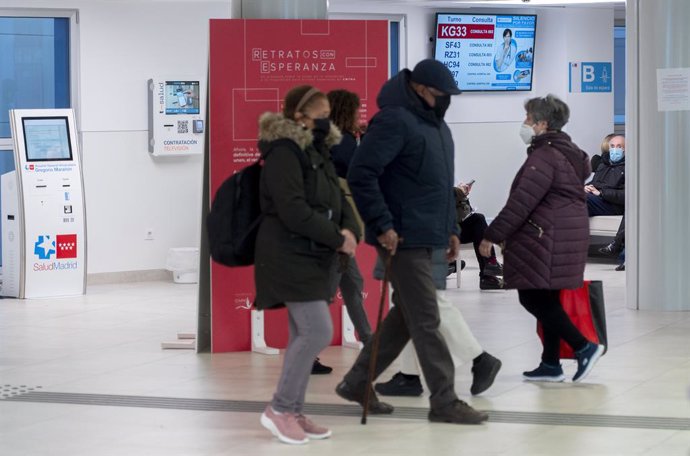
x=350, y=393
x=457, y=412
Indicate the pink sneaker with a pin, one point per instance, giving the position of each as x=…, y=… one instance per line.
x=313, y=430
x=284, y=426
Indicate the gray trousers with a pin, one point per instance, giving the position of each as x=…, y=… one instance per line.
x=351, y=286
x=311, y=330
x=415, y=316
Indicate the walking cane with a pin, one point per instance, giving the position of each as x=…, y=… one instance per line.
x=377, y=338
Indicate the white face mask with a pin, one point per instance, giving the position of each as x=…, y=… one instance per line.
x=527, y=133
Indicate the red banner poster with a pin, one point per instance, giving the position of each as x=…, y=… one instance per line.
x=253, y=63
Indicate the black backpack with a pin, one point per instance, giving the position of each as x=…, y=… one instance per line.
x=235, y=215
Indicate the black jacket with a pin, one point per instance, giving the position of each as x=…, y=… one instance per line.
x=304, y=211
x=401, y=176
x=609, y=179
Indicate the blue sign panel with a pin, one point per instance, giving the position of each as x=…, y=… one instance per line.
x=591, y=77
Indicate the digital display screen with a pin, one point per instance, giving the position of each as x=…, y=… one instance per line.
x=46, y=139
x=182, y=97
x=487, y=52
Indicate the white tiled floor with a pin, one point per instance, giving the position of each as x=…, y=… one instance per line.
x=108, y=342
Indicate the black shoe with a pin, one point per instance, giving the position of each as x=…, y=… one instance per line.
x=400, y=385
x=493, y=269
x=453, y=267
x=620, y=267
x=610, y=249
x=457, y=412
x=490, y=283
x=350, y=393
x=320, y=369
x=484, y=371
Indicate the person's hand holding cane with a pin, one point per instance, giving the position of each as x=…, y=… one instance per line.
x=389, y=241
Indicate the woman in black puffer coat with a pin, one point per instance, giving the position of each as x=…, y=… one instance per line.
x=306, y=223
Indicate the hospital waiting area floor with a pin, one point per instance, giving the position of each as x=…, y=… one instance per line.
x=87, y=376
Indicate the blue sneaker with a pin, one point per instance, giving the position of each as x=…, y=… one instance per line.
x=545, y=373
x=586, y=357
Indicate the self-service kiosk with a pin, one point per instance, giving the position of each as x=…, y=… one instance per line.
x=43, y=211
x=176, y=117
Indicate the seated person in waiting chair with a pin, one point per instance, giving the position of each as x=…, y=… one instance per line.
x=606, y=190
x=472, y=227
x=610, y=167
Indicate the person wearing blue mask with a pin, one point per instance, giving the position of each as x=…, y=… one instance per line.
x=610, y=165
x=606, y=190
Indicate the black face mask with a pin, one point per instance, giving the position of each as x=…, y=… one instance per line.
x=322, y=126
x=321, y=129
x=441, y=105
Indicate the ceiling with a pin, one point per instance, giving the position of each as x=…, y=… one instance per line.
x=617, y=4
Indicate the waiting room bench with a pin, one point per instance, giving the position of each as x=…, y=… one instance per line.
x=604, y=225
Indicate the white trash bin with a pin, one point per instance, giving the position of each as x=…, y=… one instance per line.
x=184, y=264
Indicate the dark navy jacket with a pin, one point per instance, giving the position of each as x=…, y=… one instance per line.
x=342, y=153
x=401, y=176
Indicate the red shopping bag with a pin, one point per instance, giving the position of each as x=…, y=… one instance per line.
x=585, y=307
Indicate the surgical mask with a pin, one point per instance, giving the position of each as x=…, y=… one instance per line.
x=442, y=102
x=615, y=154
x=527, y=133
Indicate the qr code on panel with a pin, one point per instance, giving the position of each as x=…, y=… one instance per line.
x=182, y=126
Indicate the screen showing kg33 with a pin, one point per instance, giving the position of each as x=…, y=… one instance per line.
x=487, y=52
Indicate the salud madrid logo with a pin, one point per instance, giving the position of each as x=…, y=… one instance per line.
x=64, y=246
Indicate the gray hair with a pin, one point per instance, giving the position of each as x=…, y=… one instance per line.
x=549, y=108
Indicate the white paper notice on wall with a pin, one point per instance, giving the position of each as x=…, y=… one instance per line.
x=673, y=89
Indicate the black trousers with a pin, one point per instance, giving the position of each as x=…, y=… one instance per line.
x=546, y=306
x=472, y=230
x=415, y=316
x=619, y=241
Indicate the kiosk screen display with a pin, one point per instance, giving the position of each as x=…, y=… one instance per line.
x=182, y=97
x=46, y=139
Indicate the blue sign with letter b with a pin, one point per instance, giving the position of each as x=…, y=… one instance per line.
x=591, y=77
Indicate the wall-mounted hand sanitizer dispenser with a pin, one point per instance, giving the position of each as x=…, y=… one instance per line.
x=176, y=117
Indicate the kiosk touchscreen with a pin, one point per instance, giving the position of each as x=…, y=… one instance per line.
x=43, y=213
x=46, y=139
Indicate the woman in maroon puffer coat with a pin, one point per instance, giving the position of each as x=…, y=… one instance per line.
x=544, y=229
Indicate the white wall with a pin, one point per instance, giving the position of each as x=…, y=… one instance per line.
x=125, y=42
x=485, y=125
x=122, y=44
